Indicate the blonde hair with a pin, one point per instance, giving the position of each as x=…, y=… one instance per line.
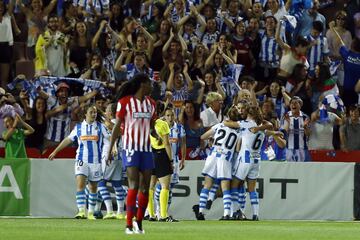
x=213, y=96
x=233, y=113
x=255, y=113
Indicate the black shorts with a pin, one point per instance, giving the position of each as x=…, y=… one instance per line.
x=162, y=163
x=5, y=52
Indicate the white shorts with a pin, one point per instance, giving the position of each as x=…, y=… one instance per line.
x=90, y=170
x=242, y=170
x=217, y=167
x=113, y=171
x=295, y=155
x=176, y=172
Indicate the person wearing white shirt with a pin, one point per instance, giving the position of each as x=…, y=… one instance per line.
x=322, y=131
x=276, y=10
x=213, y=114
x=6, y=42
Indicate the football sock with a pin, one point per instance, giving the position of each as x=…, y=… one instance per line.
x=242, y=198
x=92, y=201
x=227, y=202
x=157, y=197
x=164, y=199
x=130, y=206
x=213, y=190
x=105, y=194
x=81, y=200
x=234, y=200
x=254, y=203
x=120, y=194
x=204, y=194
x=150, y=206
x=143, y=200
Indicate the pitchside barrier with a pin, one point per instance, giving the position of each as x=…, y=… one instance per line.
x=308, y=191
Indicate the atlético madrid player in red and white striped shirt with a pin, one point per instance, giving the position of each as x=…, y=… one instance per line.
x=134, y=117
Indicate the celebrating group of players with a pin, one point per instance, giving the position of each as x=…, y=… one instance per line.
x=234, y=159
x=149, y=147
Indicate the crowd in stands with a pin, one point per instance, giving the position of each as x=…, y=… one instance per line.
x=302, y=69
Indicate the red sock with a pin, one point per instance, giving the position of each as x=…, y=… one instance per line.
x=142, y=205
x=130, y=206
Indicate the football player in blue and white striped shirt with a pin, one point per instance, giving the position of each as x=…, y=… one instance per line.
x=247, y=164
x=218, y=164
x=89, y=136
x=319, y=49
x=247, y=168
x=112, y=171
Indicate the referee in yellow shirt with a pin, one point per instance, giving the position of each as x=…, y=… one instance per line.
x=161, y=149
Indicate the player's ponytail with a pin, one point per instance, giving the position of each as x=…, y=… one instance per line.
x=233, y=113
x=255, y=113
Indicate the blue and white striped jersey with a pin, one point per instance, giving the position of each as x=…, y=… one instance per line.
x=251, y=143
x=131, y=70
x=179, y=97
x=59, y=125
x=109, y=63
x=90, y=141
x=221, y=22
x=225, y=140
x=106, y=145
x=208, y=39
x=189, y=39
x=177, y=132
x=316, y=53
x=100, y=5
x=268, y=52
x=174, y=15
x=279, y=106
x=296, y=138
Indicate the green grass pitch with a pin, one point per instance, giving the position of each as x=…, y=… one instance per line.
x=53, y=229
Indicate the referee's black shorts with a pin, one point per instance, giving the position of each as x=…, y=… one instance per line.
x=162, y=163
